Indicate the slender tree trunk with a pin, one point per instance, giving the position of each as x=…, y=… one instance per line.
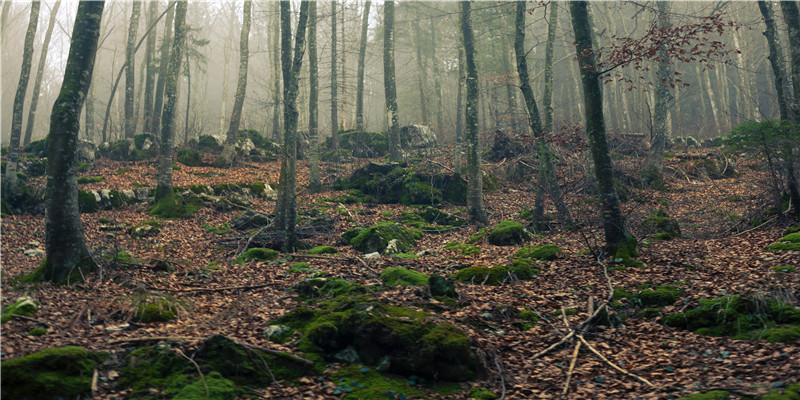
x=334, y=85
x=89, y=115
x=188, y=100
x=166, y=49
x=475, y=210
x=653, y=169
x=389, y=85
x=548, y=68
x=462, y=77
x=617, y=237
x=241, y=86
x=421, y=76
x=313, y=96
x=276, y=73
x=286, y=209
x=437, y=85
x=19, y=99
x=362, y=51
x=68, y=259
x=130, y=69
x=150, y=48
x=165, y=196
x=37, y=83
x=4, y=20
x=343, y=55
x=547, y=181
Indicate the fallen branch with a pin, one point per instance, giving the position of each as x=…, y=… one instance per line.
x=202, y=377
x=38, y=321
x=155, y=339
x=220, y=289
x=572, y=366
x=275, y=352
x=615, y=366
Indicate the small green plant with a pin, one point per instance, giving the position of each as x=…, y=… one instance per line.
x=38, y=331
x=91, y=179
x=784, y=268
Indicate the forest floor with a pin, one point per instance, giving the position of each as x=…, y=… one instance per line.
x=720, y=253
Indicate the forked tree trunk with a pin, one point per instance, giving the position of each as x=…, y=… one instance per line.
x=617, y=237
x=313, y=97
x=389, y=85
x=19, y=99
x=286, y=209
x=475, y=210
x=68, y=259
x=165, y=196
x=130, y=71
x=241, y=86
x=37, y=83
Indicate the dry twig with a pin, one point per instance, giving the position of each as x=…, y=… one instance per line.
x=202, y=377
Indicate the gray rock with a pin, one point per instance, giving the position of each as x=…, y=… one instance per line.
x=34, y=252
x=249, y=219
x=276, y=330
x=34, y=243
x=418, y=136
x=370, y=256
x=391, y=248
x=348, y=355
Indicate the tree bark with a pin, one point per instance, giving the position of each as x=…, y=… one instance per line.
x=130, y=60
x=616, y=235
x=547, y=98
x=150, y=48
x=68, y=259
x=547, y=181
x=475, y=210
x=276, y=73
x=334, y=85
x=286, y=209
x=313, y=96
x=37, y=83
x=19, y=99
x=165, y=196
x=462, y=77
x=437, y=85
x=166, y=48
x=389, y=84
x=362, y=51
x=241, y=86
x=421, y=75
x=653, y=169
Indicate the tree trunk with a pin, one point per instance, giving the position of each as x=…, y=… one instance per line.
x=164, y=200
x=130, y=118
x=475, y=209
x=89, y=115
x=462, y=77
x=276, y=73
x=166, y=48
x=150, y=48
x=617, y=237
x=37, y=83
x=389, y=84
x=241, y=86
x=653, y=169
x=334, y=85
x=68, y=259
x=343, y=55
x=421, y=76
x=188, y=70
x=362, y=51
x=313, y=95
x=547, y=181
x=19, y=99
x=286, y=209
x=548, y=68
x=437, y=85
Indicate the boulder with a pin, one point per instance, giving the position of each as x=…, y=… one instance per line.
x=417, y=137
x=249, y=219
x=377, y=238
x=508, y=233
x=50, y=374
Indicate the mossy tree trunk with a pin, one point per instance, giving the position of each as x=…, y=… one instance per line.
x=653, y=170
x=241, y=86
x=389, y=84
x=165, y=196
x=67, y=256
x=166, y=49
x=462, y=77
x=313, y=98
x=362, y=51
x=150, y=69
x=547, y=181
x=276, y=72
x=616, y=235
x=334, y=85
x=37, y=83
x=475, y=209
x=547, y=97
x=19, y=99
x=130, y=69
x=286, y=209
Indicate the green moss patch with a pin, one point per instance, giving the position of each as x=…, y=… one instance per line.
x=156, y=309
x=56, y=373
x=463, y=249
x=25, y=306
x=783, y=268
x=404, y=184
x=376, y=238
x=316, y=287
x=740, y=317
x=258, y=254
x=402, y=340
x=323, y=250
x=659, y=224
x=496, y=275
x=540, y=252
x=508, y=233
x=394, y=276
x=789, y=242
x=363, y=383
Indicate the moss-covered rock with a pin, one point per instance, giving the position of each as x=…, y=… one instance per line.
x=258, y=254
x=323, y=250
x=394, y=276
x=508, y=233
x=661, y=296
x=316, y=287
x=789, y=242
x=439, y=286
x=156, y=309
x=56, y=373
x=540, y=252
x=413, y=342
x=400, y=183
x=660, y=224
x=376, y=238
x=463, y=249
x=25, y=306
x=218, y=388
x=190, y=157
x=496, y=275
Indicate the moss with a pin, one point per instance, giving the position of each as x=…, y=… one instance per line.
x=323, y=250
x=621, y=293
x=784, y=247
x=158, y=310
x=783, y=335
x=25, y=306
x=154, y=367
x=38, y=331
x=299, y=267
x=394, y=276
x=784, y=268
x=315, y=287
x=172, y=206
x=508, y=233
x=219, y=388
x=661, y=296
x=189, y=157
x=541, y=252
x=712, y=395
x=87, y=203
x=481, y=393
x=463, y=249
x=55, y=373
x=362, y=383
x=377, y=237
x=258, y=254
x=90, y=179
x=495, y=275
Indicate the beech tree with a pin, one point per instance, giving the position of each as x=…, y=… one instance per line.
x=130, y=118
x=362, y=51
x=389, y=84
x=37, y=83
x=68, y=259
x=313, y=99
x=150, y=71
x=166, y=49
x=228, y=153
x=286, y=208
x=334, y=86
